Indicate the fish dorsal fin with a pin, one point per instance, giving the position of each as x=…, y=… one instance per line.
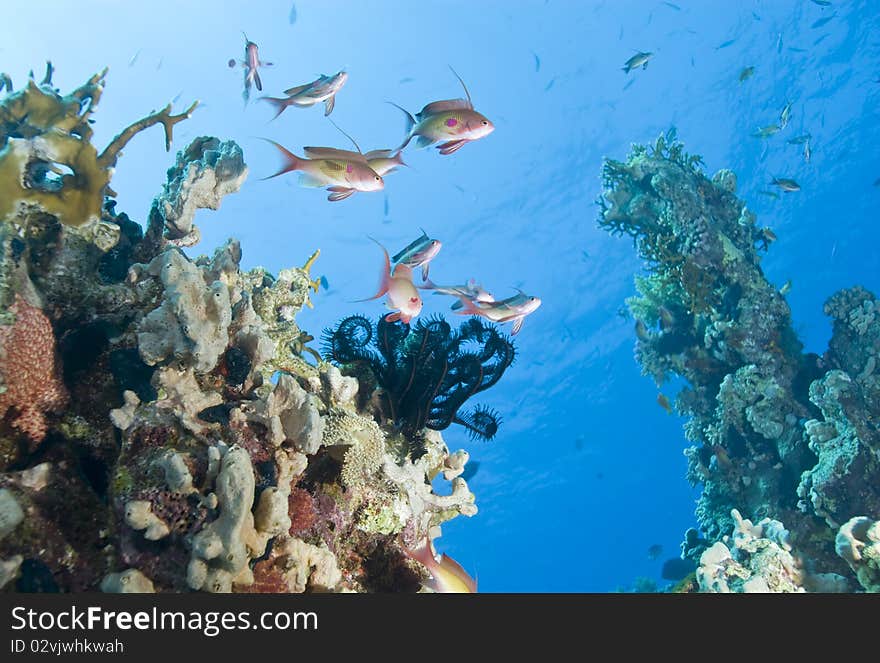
x=379, y=154
x=354, y=142
x=401, y=271
x=466, y=93
x=293, y=91
x=445, y=105
x=333, y=153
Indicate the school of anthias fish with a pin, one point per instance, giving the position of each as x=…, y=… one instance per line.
x=449, y=124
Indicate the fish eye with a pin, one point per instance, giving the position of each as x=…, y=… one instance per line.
x=485, y=122
x=531, y=299
x=378, y=179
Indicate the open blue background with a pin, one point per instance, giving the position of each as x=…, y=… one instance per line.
x=587, y=471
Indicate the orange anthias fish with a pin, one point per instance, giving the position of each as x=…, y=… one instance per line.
x=402, y=294
x=452, y=121
x=342, y=172
x=447, y=575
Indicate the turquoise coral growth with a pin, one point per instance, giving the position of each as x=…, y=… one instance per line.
x=777, y=433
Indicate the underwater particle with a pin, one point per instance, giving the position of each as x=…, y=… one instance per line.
x=30, y=370
x=292, y=16
x=640, y=59
x=537, y=62
x=677, y=569
x=655, y=551
x=725, y=44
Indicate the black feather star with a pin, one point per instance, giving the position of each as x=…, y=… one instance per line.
x=427, y=371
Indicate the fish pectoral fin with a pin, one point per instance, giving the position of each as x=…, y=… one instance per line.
x=339, y=193
x=424, y=141
x=455, y=306
x=425, y=269
x=451, y=146
x=329, y=104
x=517, y=326
x=293, y=91
x=257, y=81
x=392, y=317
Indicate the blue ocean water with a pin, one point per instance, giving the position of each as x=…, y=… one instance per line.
x=587, y=470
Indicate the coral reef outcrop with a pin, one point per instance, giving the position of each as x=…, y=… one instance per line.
x=164, y=425
x=778, y=434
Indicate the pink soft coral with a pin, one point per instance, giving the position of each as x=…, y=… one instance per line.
x=29, y=370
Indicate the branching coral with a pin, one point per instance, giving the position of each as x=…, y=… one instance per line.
x=46, y=155
x=427, y=372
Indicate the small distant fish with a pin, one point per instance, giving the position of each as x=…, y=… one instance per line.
x=823, y=21
x=785, y=116
x=667, y=319
x=406, y=79
x=795, y=49
x=822, y=3
x=663, y=401
x=471, y=290
x=134, y=58
x=786, y=288
x=770, y=194
x=746, y=74
x=725, y=44
x=177, y=97
x=673, y=6
x=677, y=569
x=292, y=17
x=640, y=59
x=755, y=16
x=642, y=331
x=767, y=233
x=808, y=153
x=537, y=62
x=779, y=44
x=629, y=83
x=788, y=185
x=159, y=64
x=386, y=205
x=799, y=140
x=877, y=182
x=766, y=132
x=821, y=39
x=655, y=551
x=549, y=85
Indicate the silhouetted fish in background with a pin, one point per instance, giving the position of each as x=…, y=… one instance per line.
x=655, y=551
x=640, y=59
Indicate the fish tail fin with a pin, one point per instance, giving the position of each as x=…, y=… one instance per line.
x=427, y=284
x=467, y=307
x=279, y=104
x=384, y=277
x=291, y=161
x=410, y=123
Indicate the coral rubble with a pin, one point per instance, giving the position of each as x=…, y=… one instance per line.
x=160, y=427
x=777, y=433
